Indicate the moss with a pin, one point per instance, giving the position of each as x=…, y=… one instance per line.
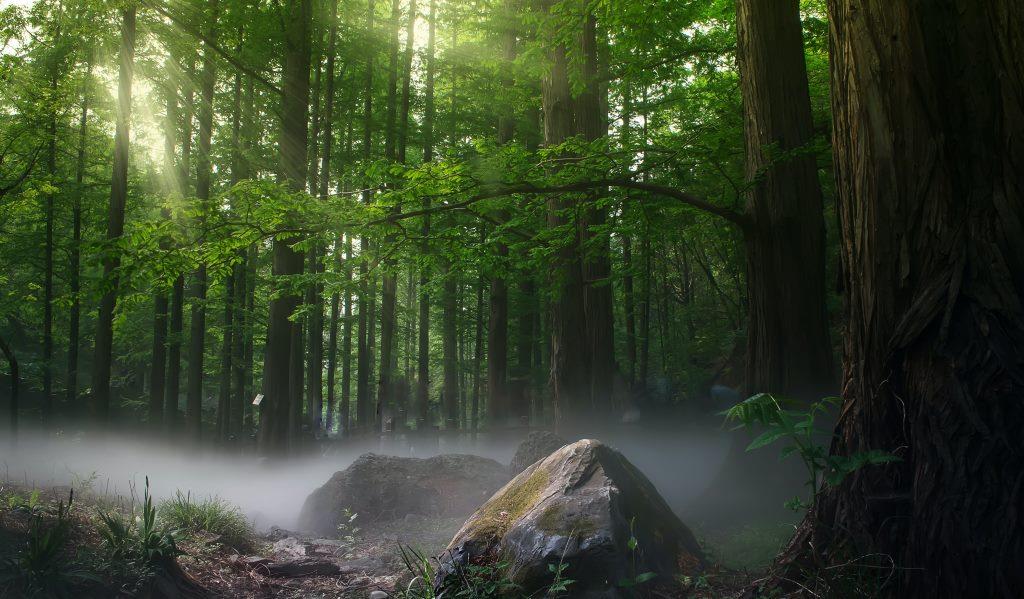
x=553, y=521
x=498, y=514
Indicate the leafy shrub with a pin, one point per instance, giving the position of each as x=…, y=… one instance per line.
x=41, y=569
x=140, y=540
x=797, y=427
x=212, y=515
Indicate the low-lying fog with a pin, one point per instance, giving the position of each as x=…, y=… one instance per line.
x=681, y=460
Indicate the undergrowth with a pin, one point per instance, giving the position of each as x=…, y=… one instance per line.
x=212, y=515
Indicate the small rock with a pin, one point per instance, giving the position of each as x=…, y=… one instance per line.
x=378, y=595
x=290, y=546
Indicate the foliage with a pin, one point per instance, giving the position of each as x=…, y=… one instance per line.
x=137, y=540
x=43, y=568
x=473, y=580
x=634, y=579
x=212, y=515
x=797, y=427
x=348, y=532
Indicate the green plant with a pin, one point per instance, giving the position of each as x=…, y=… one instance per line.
x=634, y=579
x=348, y=533
x=134, y=539
x=41, y=569
x=212, y=515
x=19, y=503
x=797, y=427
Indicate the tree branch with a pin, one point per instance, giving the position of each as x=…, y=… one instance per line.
x=235, y=62
x=736, y=218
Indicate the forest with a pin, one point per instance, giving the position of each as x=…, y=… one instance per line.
x=500, y=293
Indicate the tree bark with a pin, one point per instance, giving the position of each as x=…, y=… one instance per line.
x=284, y=338
x=364, y=346
x=788, y=348
x=75, y=267
x=204, y=175
x=115, y=221
x=423, y=355
x=928, y=125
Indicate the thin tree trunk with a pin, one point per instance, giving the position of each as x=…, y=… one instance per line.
x=204, y=174
x=51, y=167
x=364, y=345
x=345, y=419
x=75, y=268
x=423, y=359
x=478, y=354
x=224, y=412
x=12, y=363
x=449, y=347
x=115, y=221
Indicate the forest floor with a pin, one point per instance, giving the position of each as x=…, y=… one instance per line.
x=277, y=563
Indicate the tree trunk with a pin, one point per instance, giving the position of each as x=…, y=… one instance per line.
x=928, y=125
x=51, y=167
x=284, y=338
x=204, y=174
x=325, y=177
x=12, y=364
x=345, y=418
x=478, y=353
x=592, y=120
x=364, y=346
x=224, y=412
x=115, y=221
x=570, y=379
x=423, y=355
x=788, y=348
x=75, y=268
x=449, y=347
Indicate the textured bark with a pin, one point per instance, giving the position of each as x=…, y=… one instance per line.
x=115, y=221
x=345, y=417
x=51, y=167
x=224, y=412
x=592, y=120
x=478, y=355
x=788, y=348
x=928, y=118
x=570, y=378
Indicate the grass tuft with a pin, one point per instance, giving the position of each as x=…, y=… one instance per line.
x=211, y=515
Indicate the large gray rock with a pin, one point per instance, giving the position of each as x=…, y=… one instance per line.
x=537, y=446
x=580, y=506
x=383, y=488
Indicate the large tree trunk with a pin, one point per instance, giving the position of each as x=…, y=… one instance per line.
x=570, y=378
x=929, y=155
x=788, y=349
x=284, y=338
x=115, y=221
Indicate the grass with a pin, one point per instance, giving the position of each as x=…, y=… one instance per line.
x=213, y=516
x=748, y=548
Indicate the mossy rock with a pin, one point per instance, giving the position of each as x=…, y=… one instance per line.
x=580, y=506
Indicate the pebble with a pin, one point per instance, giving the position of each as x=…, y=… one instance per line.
x=378, y=595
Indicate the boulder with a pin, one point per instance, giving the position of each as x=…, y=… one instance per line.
x=537, y=446
x=383, y=488
x=579, y=507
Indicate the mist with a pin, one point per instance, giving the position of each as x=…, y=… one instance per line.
x=682, y=461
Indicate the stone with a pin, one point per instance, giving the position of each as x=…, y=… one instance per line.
x=378, y=595
x=537, y=446
x=580, y=507
x=382, y=489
